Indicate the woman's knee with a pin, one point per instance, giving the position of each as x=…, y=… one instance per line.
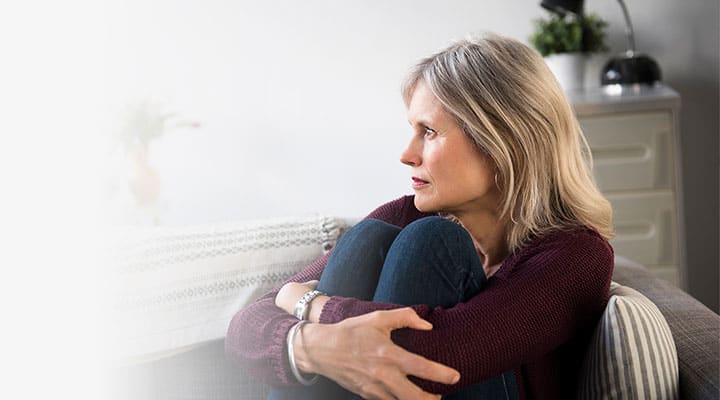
x=372, y=225
x=436, y=241
x=436, y=230
x=370, y=234
x=357, y=260
x=433, y=261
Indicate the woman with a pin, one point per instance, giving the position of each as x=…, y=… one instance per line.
x=504, y=288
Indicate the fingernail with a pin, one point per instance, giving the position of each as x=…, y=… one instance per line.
x=455, y=379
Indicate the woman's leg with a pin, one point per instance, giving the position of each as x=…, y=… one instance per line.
x=433, y=261
x=354, y=267
x=352, y=271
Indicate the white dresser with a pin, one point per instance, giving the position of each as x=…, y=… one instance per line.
x=634, y=138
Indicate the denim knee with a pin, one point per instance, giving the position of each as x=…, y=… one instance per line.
x=375, y=228
x=357, y=260
x=432, y=231
x=370, y=236
x=434, y=225
x=432, y=261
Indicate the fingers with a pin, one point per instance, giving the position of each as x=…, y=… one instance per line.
x=404, y=318
x=403, y=388
x=421, y=367
x=378, y=393
x=396, y=386
x=413, y=364
x=379, y=368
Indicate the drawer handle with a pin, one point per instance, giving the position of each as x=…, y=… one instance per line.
x=632, y=152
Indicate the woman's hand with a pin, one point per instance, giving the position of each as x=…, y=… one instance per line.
x=291, y=292
x=359, y=355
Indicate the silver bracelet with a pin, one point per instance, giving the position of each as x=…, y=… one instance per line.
x=302, y=306
x=291, y=356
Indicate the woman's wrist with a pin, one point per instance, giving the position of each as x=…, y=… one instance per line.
x=291, y=293
x=316, y=308
x=302, y=307
x=293, y=335
x=302, y=345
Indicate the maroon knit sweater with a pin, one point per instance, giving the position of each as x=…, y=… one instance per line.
x=534, y=316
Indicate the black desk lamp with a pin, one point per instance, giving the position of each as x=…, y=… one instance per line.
x=627, y=68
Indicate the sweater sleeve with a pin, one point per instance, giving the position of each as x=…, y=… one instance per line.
x=256, y=335
x=538, y=300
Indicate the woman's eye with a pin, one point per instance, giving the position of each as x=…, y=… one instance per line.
x=429, y=132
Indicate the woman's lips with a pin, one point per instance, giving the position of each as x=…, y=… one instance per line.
x=419, y=183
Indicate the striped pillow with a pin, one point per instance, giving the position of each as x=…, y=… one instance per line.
x=632, y=354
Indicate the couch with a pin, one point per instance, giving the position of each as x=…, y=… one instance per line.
x=177, y=288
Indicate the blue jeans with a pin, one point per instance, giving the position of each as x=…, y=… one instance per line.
x=431, y=261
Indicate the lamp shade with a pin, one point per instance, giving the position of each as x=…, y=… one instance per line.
x=562, y=7
x=630, y=69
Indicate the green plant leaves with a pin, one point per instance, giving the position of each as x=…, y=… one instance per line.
x=569, y=34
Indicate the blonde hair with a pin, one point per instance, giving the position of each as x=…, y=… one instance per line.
x=510, y=105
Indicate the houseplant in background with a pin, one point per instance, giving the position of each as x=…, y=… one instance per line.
x=133, y=184
x=565, y=40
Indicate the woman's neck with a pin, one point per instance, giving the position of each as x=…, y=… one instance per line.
x=488, y=233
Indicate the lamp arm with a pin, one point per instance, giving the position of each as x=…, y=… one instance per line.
x=628, y=30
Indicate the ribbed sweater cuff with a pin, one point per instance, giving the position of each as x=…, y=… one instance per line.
x=339, y=308
x=278, y=351
x=332, y=311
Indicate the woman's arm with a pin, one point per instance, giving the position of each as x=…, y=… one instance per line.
x=256, y=335
x=358, y=354
x=553, y=291
x=362, y=356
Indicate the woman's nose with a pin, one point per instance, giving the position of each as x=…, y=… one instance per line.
x=411, y=156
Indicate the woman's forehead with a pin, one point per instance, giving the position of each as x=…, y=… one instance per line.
x=424, y=105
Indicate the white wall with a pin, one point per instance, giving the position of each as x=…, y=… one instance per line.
x=299, y=107
x=298, y=102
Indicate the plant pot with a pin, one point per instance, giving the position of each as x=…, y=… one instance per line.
x=569, y=69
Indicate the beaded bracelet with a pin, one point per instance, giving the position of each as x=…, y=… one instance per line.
x=291, y=356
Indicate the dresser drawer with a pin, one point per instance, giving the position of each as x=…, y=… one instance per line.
x=645, y=227
x=631, y=151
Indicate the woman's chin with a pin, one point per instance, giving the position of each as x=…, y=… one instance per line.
x=424, y=205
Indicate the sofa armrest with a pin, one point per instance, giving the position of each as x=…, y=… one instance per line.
x=174, y=288
x=695, y=329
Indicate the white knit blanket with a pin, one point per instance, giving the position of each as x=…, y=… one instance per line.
x=178, y=287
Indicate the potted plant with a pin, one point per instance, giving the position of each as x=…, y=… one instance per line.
x=565, y=41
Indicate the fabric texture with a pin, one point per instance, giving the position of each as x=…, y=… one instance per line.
x=632, y=354
x=176, y=287
x=431, y=261
x=564, y=279
x=695, y=329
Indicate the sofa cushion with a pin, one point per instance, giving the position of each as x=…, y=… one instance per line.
x=695, y=329
x=178, y=287
x=632, y=353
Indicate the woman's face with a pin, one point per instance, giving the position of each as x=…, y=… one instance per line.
x=449, y=173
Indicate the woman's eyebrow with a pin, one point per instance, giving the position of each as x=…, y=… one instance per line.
x=420, y=121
